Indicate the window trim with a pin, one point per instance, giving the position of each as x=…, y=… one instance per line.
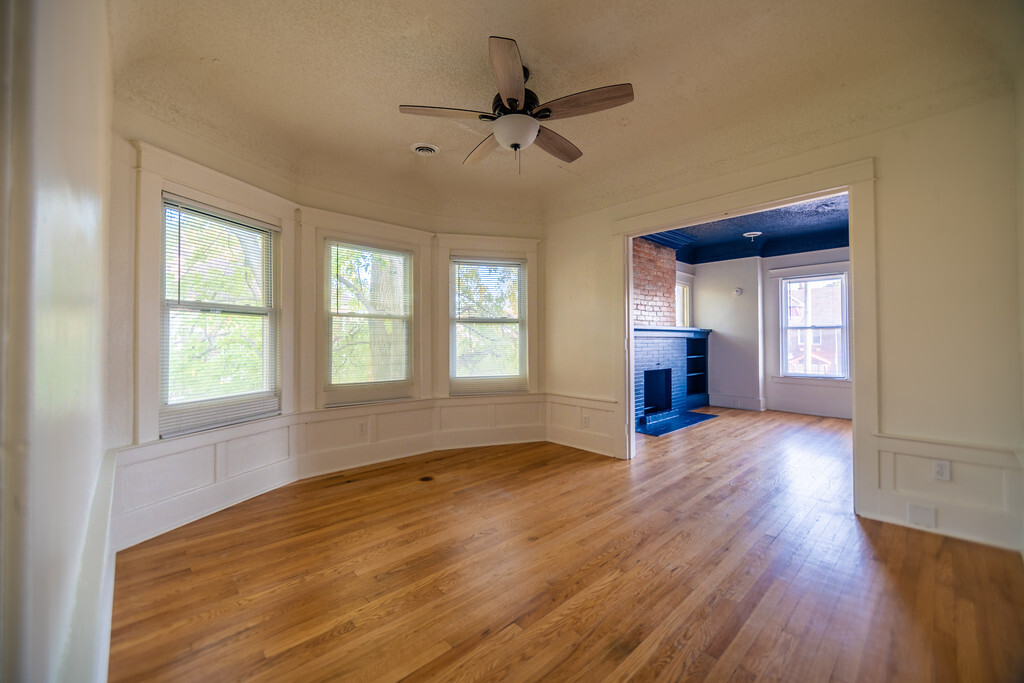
x=477, y=247
x=684, y=280
x=157, y=172
x=844, y=327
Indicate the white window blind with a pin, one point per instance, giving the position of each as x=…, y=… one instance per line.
x=219, y=336
x=368, y=296
x=815, y=336
x=488, y=327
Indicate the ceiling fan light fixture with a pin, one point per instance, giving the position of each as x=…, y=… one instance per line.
x=515, y=131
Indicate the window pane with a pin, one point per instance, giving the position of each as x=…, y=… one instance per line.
x=682, y=304
x=487, y=328
x=815, y=352
x=214, y=261
x=369, y=305
x=212, y=355
x=486, y=349
x=368, y=281
x=814, y=302
x=486, y=291
x=368, y=350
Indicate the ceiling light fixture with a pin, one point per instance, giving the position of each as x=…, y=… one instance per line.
x=752, y=234
x=515, y=131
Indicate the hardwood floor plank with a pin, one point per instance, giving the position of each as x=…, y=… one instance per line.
x=726, y=551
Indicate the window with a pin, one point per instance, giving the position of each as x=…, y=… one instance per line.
x=219, y=331
x=488, y=326
x=814, y=327
x=684, y=311
x=368, y=296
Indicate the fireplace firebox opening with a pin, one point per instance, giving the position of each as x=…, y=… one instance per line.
x=657, y=391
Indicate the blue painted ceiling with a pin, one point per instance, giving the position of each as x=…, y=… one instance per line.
x=808, y=226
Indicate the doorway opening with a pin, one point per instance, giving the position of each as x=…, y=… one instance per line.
x=743, y=272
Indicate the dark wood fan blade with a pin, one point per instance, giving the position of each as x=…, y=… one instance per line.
x=481, y=151
x=557, y=146
x=586, y=102
x=445, y=112
x=508, y=71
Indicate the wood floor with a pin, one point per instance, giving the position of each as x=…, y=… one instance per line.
x=727, y=551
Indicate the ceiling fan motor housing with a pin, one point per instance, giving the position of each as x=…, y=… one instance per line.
x=500, y=108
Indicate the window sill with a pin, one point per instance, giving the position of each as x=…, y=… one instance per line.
x=813, y=381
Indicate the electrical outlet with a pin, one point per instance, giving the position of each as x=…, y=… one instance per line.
x=940, y=470
x=921, y=515
x=586, y=422
x=361, y=429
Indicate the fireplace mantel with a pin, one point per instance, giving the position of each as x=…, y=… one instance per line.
x=687, y=332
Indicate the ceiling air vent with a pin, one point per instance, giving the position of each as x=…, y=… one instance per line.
x=424, y=149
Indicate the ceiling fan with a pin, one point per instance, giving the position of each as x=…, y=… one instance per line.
x=516, y=111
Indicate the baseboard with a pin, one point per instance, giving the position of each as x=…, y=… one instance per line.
x=820, y=408
x=584, y=440
x=738, y=402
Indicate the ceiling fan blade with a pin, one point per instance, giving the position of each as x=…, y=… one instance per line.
x=508, y=71
x=587, y=102
x=445, y=112
x=481, y=151
x=557, y=146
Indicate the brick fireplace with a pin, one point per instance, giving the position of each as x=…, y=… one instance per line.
x=683, y=352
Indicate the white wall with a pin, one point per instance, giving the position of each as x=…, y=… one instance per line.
x=735, y=346
x=56, y=495
x=934, y=265
x=586, y=324
x=947, y=228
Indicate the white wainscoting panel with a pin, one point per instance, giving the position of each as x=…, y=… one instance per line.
x=519, y=414
x=150, y=481
x=164, y=484
x=983, y=500
x=594, y=425
x=249, y=453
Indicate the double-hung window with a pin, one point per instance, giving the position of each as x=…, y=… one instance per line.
x=368, y=316
x=684, y=300
x=219, y=334
x=815, y=330
x=488, y=343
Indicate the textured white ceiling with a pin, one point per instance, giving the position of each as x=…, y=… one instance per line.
x=310, y=89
